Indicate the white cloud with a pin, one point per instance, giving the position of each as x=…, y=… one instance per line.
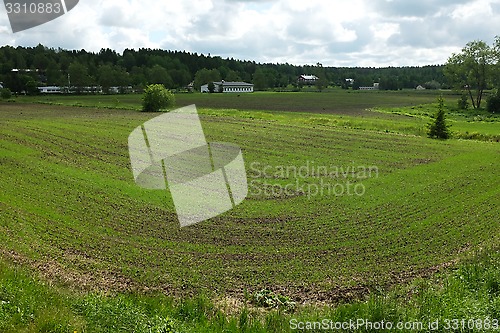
x=335, y=32
x=480, y=8
x=383, y=31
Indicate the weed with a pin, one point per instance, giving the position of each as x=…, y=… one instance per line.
x=268, y=299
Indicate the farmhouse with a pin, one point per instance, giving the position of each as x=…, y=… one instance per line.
x=307, y=79
x=229, y=87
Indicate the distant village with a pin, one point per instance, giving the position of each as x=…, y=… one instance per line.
x=50, y=71
x=210, y=87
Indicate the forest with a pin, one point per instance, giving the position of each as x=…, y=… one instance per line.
x=23, y=69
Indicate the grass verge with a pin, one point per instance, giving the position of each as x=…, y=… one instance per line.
x=465, y=299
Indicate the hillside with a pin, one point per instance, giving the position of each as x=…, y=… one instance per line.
x=349, y=203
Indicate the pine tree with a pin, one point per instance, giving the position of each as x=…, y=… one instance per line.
x=438, y=128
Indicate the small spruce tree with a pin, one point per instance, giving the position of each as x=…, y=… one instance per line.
x=438, y=129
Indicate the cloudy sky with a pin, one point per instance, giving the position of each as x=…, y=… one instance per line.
x=333, y=32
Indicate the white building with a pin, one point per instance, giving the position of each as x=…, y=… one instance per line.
x=89, y=89
x=50, y=90
x=308, y=79
x=229, y=87
x=376, y=86
x=118, y=90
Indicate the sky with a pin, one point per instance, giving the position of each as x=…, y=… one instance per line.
x=375, y=33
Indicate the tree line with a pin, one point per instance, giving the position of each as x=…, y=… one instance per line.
x=44, y=66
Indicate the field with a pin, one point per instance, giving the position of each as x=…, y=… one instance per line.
x=336, y=102
x=371, y=202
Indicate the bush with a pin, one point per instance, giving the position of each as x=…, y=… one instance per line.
x=32, y=88
x=463, y=102
x=211, y=87
x=493, y=103
x=5, y=93
x=438, y=128
x=157, y=98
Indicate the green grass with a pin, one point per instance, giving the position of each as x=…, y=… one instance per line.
x=405, y=112
x=470, y=293
x=337, y=102
x=465, y=124
x=69, y=191
x=70, y=210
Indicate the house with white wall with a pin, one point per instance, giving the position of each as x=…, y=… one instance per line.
x=308, y=79
x=229, y=87
x=376, y=86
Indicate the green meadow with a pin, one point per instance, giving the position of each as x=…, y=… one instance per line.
x=352, y=211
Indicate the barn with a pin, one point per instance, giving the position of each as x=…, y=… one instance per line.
x=307, y=79
x=229, y=87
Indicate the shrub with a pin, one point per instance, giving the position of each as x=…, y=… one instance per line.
x=438, y=128
x=157, y=98
x=463, y=102
x=493, y=103
x=32, y=88
x=5, y=93
x=211, y=87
